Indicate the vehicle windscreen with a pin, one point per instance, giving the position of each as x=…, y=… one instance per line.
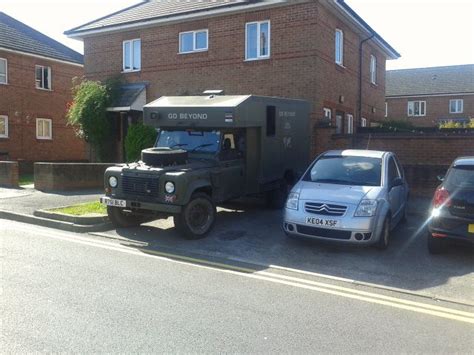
x=460, y=177
x=192, y=141
x=346, y=170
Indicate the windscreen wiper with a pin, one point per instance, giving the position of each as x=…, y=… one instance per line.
x=201, y=146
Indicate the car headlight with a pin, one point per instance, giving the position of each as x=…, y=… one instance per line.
x=366, y=208
x=292, y=201
x=113, y=182
x=169, y=187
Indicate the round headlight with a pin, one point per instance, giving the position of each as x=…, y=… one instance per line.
x=169, y=187
x=113, y=182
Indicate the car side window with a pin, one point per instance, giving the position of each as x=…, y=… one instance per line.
x=399, y=166
x=392, y=170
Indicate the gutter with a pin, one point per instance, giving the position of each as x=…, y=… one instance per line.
x=80, y=34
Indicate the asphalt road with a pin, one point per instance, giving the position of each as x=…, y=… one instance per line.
x=64, y=292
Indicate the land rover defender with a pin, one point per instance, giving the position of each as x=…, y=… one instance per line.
x=210, y=149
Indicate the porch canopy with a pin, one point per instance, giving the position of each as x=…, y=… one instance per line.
x=131, y=97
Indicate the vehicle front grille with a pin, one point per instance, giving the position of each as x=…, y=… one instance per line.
x=325, y=209
x=323, y=233
x=140, y=186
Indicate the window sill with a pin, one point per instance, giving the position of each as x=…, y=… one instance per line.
x=456, y=113
x=194, y=52
x=256, y=59
x=44, y=139
x=374, y=85
x=42, y=89
x=338, y=65
x=131, y=71
x=3, y=83
x=4, y=137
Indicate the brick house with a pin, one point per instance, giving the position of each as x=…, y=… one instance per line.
x=35, y=86
x=318, y=50
x=429, y=96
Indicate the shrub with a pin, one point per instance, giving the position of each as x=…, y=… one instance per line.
x=88, y=112
x=138, y=137
x=452, y=124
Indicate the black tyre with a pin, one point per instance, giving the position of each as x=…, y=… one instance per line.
x=435, y=245
x=164, y=156
x=124, y=219
x=197, y=218
x=276, y=199
x=384, y=239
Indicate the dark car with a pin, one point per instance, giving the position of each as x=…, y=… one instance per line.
x=452, y=214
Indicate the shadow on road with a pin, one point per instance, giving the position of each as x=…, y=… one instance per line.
x=246, y=232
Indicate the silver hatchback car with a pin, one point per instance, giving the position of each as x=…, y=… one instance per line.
x=350, y=196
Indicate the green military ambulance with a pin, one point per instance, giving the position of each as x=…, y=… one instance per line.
x=210, y=149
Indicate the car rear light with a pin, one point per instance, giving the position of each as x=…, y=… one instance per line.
x=441, y=198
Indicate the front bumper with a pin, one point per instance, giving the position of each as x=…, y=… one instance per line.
x=139, y=205
x=351, y=230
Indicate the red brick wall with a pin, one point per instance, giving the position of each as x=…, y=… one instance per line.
x=301, y=64
x=23, y=103
x=437, y=107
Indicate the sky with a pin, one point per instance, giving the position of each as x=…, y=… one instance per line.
x=425, y=32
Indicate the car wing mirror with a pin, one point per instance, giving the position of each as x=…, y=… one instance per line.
x=440, y=178
x=398, y=181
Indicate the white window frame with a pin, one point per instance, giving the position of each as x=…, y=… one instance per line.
x=50, y=123
x=350, y=123
x=194, y=33
x=386, y=109
x=132, y=59
x=413, y=104
x=42, y=78
x=327, y=113
x=5, y=117
x=459, y=108
x=259, y=24
x=373, y=69
x=6, y=71
x=339, y=50
x=363, y=122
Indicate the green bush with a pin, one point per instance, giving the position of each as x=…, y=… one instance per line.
x=88, y=112
x=138, y=137
x=453, y=124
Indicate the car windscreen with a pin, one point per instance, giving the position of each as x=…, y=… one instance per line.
x=346, y=170
x=190, y=140
x=460, y=177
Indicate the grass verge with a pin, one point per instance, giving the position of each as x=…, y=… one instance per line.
x=83, y=209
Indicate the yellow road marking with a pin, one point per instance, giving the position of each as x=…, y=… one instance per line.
x=393, y=302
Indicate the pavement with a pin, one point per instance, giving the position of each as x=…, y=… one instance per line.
x=27, y=200
x=65, y=292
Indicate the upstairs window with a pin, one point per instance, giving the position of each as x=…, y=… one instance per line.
x=339, y=43
x=132, y=56
x=257, y=40
x=44, y=128
x=43, y=77
x=3, y=126
x=416, y=108
x=193, y=41
x=456, y=106
x=3, y=71
x=373, y=69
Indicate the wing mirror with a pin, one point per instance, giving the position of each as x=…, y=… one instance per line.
x=440, y=178
x=398, y=181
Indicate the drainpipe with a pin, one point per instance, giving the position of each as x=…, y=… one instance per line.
x=359, y=108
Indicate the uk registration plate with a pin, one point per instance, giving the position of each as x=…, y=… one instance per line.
x=470, y=228
x=322, y=222
x=114, y=202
